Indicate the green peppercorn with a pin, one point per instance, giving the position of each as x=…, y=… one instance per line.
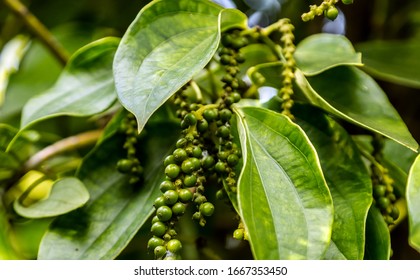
x=232, y=160
x=383, y=202
x=180, y=155
x=196, y=163
x=160, y=201
x=190, y=180
x=331, y=13
x=171, y=197
x=223, y=132
x=238, y=234
x=174, y=246
x=220, y=167
x=166, y=186
x=207, y=209
x=210, y=114
x=159, y=251
x=185, y=195
x=197, y=152
x=158, y=229
x=164, y=213
x=223, y=155
x=347, y=2
x=379, y=191
x=190, y=119
x=395, y=212
x=207, y=162
x=225, y=59
x=181, y=143
x=236, y=97
x=225, y=115
x=169, y=160
x=179, y=209
x=188, y=166
x=202, y=125
x=155, y=219
x=154, y=242
x=172, y=171
x=125, y=165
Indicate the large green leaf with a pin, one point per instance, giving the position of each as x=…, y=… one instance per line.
x=283, y=198
x=378, y=239
x=85, y=87
x=350, y=94
x=67, y=194
x=320, y=52
x=348, y=180
x=413, y=204
x=164, y=47
x=116, y=210
x=393, y=61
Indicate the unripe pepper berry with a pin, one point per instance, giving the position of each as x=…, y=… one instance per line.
x=125, y=165
x=154, y=242
x=158, y=229
x=166, y=186
x=180, y=155
x=207, y=209
x=347, y=2
x=172, y=170
x=171, y=197
x=174, y=246
x=164, y=213
x=331, y=13
x=185, y=195
x=179, y=209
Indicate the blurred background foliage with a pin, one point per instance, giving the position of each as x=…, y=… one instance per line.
x=76, y=23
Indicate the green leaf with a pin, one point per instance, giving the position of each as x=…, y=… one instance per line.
x=320, y=52
x=413, y=204
x=348, y=180
x=67, y=194
x=164, y=47
x=354, y=96
x=85, y=87
x=283, y=198
x=116, y=210
x=378, y=239
x=393, y=61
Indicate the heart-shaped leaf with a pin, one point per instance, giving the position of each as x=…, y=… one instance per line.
x=354, y=96
x=413, y=204
x=85, y=87
x=283, y=198
x=67, y=194
x=164, y=47
x=320, y=52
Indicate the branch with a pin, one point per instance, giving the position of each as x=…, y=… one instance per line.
x=64, y=145
x=39, y=30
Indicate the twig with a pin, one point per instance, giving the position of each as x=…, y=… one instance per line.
x=38, y=29
x=64, y=145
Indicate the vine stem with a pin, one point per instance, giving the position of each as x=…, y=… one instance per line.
x=39, y=30
x=64, y=145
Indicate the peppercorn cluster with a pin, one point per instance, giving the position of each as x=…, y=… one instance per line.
x=205, y=149
x=383, y=189
x=327, y=7
x=288, y=73
x=131, y=164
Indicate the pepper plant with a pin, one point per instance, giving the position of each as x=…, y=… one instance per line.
x=193, y=117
